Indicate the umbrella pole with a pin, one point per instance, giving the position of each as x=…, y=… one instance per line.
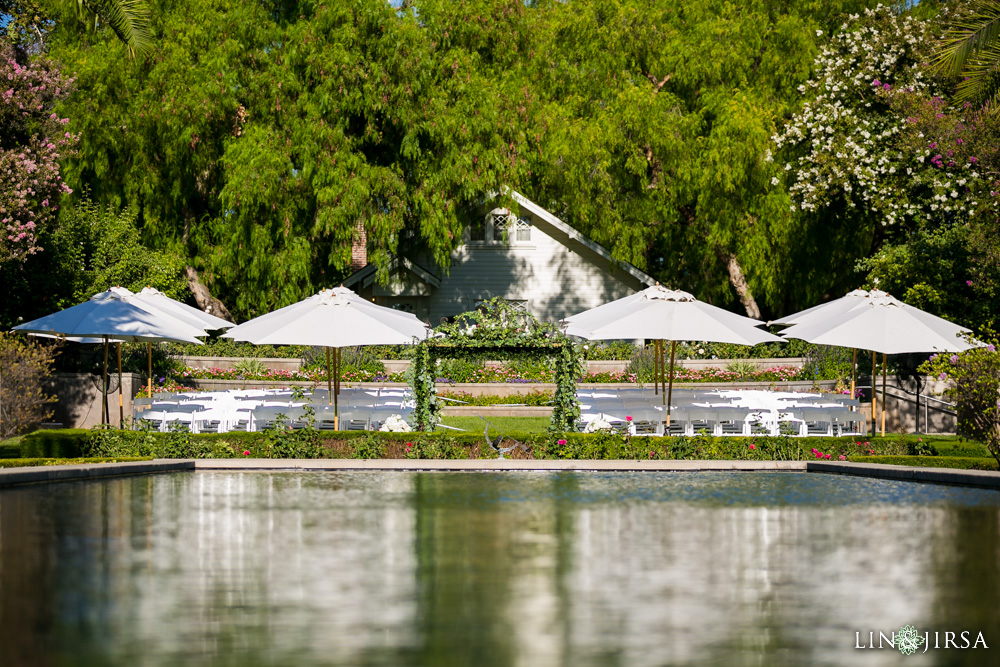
x=874, y=396
x=121, y=407
x=149, y=380
x=883, y=394
x=670, y=396
x=329, y=379
x=663, y=370
x=656, y=367
x=854, y=372
x=336, y=384
x=105, y=418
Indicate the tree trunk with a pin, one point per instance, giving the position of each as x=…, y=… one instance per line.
x=204, y=298
x=739, y=281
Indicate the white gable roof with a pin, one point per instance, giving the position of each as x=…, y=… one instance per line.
x=543, y=215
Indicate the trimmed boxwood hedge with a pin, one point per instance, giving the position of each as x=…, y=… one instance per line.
x=308, y=443
x=54, y=444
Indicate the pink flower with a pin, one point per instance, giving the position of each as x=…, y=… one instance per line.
x=560, y=442
x=628, y=418
x=827, y=456
x=753, y=446
x=246, y=452
x=843, y=458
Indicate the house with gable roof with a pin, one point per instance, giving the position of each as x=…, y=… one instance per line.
x=527, y=256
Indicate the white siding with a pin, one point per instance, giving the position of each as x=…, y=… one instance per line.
x=556, y=276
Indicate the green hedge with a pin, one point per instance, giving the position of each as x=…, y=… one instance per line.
x=964, y=463
x=25, y=463
x=51, y=444
x=308, y=443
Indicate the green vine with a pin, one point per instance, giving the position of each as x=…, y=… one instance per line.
x=497, y=331
x=420, y=377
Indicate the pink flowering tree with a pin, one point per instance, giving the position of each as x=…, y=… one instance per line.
x=32, y=139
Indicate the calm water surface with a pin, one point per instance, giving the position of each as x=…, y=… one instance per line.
x=474, y=569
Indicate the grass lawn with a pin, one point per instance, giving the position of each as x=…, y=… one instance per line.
x=504, y=424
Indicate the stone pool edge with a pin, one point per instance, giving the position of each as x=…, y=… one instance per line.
x=42, y=474
x=69, y=472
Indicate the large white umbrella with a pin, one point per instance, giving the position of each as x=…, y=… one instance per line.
x=660, y=314
x=109, y=316
x=825, y=310
x=882, y=323
x=333, y=318
x=830, y=310
x=158, y=303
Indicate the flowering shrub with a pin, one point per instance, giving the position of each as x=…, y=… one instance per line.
x=395, y=424
x=714, y=374
x=849, y=136
x=32, y=140
x=279, y=375
x=976, y=392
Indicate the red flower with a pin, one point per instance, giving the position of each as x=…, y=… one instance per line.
x=246, y=452
x=753, y=446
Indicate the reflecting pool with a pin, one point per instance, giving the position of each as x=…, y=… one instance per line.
x=385, y=568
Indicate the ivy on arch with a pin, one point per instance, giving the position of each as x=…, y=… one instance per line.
x=497, y=330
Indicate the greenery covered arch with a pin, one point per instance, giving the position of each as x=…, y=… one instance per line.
x=499, y=331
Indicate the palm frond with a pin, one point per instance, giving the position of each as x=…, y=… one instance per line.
x=969, y=36
x=981, y=80
x=128, y=19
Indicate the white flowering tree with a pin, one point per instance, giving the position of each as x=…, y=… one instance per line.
x=847, y=145
x=878, y=143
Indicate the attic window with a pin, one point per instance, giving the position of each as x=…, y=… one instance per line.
x=501, y=226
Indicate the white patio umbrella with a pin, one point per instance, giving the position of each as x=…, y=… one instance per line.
x=661, y=314
x=333, y=318
x=158, y=303
x=882, y=323
x=829, y=310
x=109, y=316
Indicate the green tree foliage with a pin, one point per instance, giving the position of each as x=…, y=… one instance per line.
x=656, y=127
x=259, y=139
x=93, y=249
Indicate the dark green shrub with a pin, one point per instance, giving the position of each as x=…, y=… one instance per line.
x=61, y=443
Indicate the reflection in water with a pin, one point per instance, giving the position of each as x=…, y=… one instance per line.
x=499, y=569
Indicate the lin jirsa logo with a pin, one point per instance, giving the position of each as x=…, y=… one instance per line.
x=909, y=640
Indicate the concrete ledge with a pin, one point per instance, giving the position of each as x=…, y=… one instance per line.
x=981, y=478
x=489, y=464
x=63, y=473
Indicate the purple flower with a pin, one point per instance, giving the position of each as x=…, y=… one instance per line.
x=943, y=377
x=969, y=283
x=885, y=86
x=991, y=348
x=876, y=82
x=958, y=141
x=973, y=160
x=953, y=359
x=933, y=145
